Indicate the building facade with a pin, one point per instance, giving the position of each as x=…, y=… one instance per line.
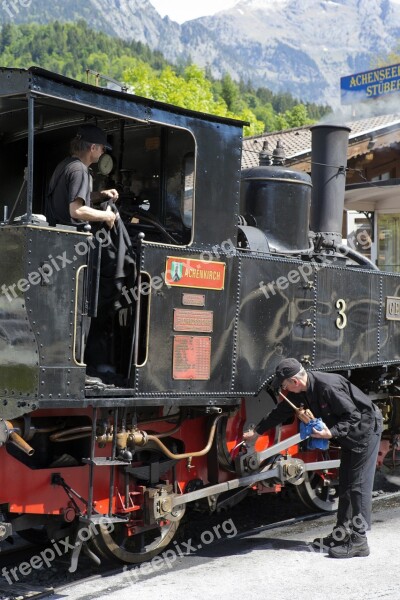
x=372, y=198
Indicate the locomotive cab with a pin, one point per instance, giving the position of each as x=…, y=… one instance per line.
x=51, y=284
x=152, y=167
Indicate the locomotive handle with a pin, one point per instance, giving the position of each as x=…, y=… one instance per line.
x=288, y=401
x=303, y=414
x=134, y=355
x=77, y=361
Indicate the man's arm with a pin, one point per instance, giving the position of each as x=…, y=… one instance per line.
x=278, y=415
x=78, y=210
x=343, y=407
x=110, y=194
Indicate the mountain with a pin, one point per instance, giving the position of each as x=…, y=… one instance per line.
x=127, y=19
x=303, y=46
x=300, y=46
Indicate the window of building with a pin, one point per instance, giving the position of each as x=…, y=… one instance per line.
x=382, y=176
x=388, y=258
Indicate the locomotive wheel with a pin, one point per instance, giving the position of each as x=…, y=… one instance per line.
x=132, y=549
x=314, y=494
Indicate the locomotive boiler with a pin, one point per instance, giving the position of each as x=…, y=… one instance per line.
x=234, y=271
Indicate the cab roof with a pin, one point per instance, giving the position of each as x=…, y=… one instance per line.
x=18, y=82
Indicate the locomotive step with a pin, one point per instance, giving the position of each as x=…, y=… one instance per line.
x=100, y=519
x=105, y=462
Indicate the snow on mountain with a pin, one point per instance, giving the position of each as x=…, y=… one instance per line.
x=299, y=46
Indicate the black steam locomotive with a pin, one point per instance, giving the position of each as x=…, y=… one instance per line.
x=233, y=273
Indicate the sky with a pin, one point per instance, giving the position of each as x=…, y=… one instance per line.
x=180, y=11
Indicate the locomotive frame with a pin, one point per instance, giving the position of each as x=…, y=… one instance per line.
x=230, y=281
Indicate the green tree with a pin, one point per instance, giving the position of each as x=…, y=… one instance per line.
x=297, y=116
x=267, y=115
x=230, y=92
x=72, y=48
x=6, y=37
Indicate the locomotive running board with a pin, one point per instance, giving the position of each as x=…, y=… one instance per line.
x=265, y=473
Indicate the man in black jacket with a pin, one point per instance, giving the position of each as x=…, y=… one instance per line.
x=352, y=419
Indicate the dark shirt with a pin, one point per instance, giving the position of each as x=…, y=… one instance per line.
x=344, y=408
x=70, y=180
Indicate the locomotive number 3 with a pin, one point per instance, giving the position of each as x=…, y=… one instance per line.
x=341, y=321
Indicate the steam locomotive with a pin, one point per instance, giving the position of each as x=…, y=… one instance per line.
x=235, y=270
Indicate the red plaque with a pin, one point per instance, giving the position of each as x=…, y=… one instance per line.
x=191, y=357
x=190, y=272
x=186, y=319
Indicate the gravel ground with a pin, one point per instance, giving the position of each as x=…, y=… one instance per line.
x=278, y=563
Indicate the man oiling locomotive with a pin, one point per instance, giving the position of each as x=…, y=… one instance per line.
x=70, y=201
x=351, y=418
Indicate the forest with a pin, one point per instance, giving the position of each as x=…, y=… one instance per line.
x=73, y=49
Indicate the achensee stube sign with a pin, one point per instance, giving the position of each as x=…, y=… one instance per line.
x=370, y=84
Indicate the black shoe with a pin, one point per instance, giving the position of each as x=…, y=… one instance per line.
x=338, y=537
x=356, y=545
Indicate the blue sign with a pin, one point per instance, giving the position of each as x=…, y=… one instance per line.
x=370, y=84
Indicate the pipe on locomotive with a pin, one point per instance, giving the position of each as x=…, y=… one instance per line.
x=329, y=144
x=9, y=434
x=328, y=174
x=141, y=438
x=357, y=257
x=138, y=438
x=76, y=433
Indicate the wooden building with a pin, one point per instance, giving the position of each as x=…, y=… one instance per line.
x=372, y=198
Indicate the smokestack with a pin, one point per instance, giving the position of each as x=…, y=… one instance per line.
x=328, y=175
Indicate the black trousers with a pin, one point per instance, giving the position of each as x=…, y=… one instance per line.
x=99, y=341
x=356, y=480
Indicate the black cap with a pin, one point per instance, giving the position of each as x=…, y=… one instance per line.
x=288, y=367
x=93, y=135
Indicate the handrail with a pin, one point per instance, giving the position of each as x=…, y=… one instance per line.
x=77, y=361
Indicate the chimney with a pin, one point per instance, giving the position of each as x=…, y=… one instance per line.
x=328, y=175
